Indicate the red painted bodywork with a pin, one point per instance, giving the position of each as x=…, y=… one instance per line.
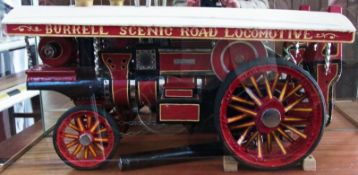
x=43, y=73
x=315, y=52
x=185, y=62
x=305, y=7
x=335, y=9
x=327, y=81
x=67, y=51
x=315, y=57
x=228, y=55
x=173, y=82
x=179, y=93
x=117, y=64
x=179, y=112
x=147, y=92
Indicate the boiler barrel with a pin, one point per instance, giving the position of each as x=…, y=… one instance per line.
x=82, y=88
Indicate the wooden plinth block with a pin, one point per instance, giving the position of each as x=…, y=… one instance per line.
x=309, y=163
x=230, y=164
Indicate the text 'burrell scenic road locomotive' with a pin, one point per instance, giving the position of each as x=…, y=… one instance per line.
x=269, y=104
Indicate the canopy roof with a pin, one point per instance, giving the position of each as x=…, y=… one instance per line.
x=221, y=23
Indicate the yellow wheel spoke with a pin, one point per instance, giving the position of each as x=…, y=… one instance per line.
x=253, y=136
x=71, y=136
x=244, y=110
x=101, y=139
x=71, y=144
x=242, y=100
x=236, y=118
x=253, y=81
x=293, y=91
x=301, y=109
x=248, y=124
x=242, y=137
x=283, y=91
x=268, y=145
x=285, y=135
x=94, y=126
x=259, y=146
x=102, y=130
x=268, y=89
x=279, y=143
x=85, y=154
x=91, y=149
x=89, y=121
x=293, y=104
x=275, y=82
x=77, y=149
x=80, y=124
x=252, y=95
x=74, y=127
x=294, y=119
x=295, y=130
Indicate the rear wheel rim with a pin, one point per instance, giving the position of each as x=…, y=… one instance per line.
x=271, y=91
x=85, y=139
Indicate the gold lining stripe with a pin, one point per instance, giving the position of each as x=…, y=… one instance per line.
x=110, y=71
x=176, y=90
x=155, y=91
x=138, y=91
x=330, y=83
x=198, y=38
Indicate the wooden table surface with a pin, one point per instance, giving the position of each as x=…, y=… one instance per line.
x=12, y=80
x=19, y=141
x=349, y=109
x=336, y=154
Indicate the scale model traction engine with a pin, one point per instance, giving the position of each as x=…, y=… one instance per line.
x=188, y=65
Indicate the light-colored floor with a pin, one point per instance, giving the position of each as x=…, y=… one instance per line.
x=348, y=109
x=336, y=154
x=54, y=105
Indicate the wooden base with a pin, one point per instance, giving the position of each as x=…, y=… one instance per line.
x=336, y=153
x=348, y=109
x=231, y=165
x=16, y=146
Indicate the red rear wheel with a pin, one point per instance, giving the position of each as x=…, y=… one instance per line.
x=271, y=114
x=85, y=138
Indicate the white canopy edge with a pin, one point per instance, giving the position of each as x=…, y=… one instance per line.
x=180, y=17
x=24, y=94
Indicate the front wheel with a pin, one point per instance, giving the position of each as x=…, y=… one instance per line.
x=270, y=114
x=85, y=138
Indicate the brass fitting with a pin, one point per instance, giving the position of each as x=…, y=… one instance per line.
x=116, y=2
x=83, y=3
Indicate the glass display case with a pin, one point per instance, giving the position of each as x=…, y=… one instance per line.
x=145, y=83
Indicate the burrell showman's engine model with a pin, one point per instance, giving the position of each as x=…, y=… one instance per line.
x=265, y=77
